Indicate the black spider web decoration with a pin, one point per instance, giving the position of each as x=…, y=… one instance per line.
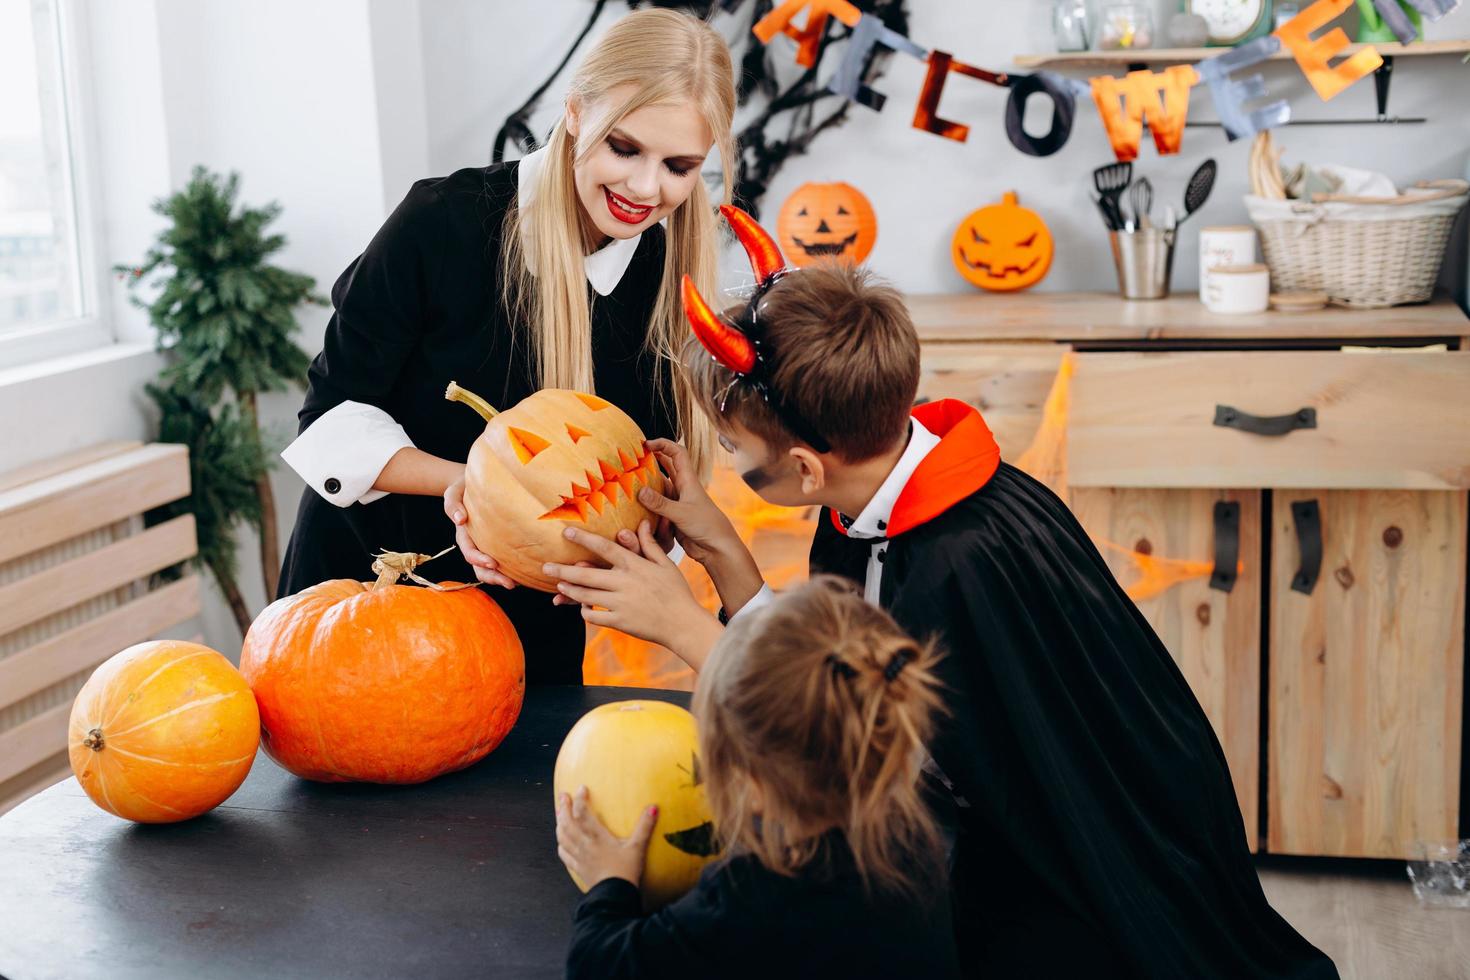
x=793, y=113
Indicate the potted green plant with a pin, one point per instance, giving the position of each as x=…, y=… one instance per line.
x=225, y=317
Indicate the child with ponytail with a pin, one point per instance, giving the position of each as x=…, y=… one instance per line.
x=812, y=718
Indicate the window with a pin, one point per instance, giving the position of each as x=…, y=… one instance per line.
x=47, y=292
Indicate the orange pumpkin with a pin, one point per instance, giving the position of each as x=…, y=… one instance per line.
x=823, y=222
x=1003, y=247
x=383, y=683
x=162, y=732
x=558, y=459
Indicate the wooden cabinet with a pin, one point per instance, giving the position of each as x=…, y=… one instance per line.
x=1356, y=460
x=1365, y=671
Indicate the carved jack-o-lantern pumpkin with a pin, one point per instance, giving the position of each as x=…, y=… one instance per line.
x=825, y=222
x=559, y=458
x=1002, y=247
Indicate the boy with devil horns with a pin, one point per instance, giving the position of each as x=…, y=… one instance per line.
x=1097, y=831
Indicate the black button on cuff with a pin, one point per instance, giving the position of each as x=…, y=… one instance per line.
x=333, y=485
x=882, y=556
x=882, y=525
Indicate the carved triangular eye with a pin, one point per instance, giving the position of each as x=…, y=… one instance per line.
x=841, y=209
x=976, y=235
x=1030, y=240
x=593, y=402
x=801, y=213
x=526, y=444
x=576, y=433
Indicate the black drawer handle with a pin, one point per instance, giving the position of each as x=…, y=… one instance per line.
x=1227, y=545
x=1229, y=417
x=1308, y=518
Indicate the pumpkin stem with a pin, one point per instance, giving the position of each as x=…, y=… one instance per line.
x=455, y=393
x=93, y=740
x=390, y=566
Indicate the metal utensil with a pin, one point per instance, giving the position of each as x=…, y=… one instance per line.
x=1201, y=182
x=1111, y=180
x=1141, y=196
x=1105, y=211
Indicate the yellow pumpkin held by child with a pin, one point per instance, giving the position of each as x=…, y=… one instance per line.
x=633, y=754
x=826, y=222
x=163, y=731
x=558, y=459
x=1002, y=247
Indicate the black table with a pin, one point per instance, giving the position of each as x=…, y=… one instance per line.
x=452, y=878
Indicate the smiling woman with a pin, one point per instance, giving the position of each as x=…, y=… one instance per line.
x=557, y=271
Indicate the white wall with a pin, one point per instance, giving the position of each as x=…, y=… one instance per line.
x=483, y=60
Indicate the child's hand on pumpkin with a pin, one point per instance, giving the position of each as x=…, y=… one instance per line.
x=641, y=592
x=591, y=851
x=698, y=525
x=486, y=568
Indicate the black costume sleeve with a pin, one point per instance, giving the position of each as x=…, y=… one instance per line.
x=380, y=303
x=612, y=938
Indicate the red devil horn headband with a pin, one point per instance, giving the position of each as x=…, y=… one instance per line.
x=765, y=255
x=729, y=346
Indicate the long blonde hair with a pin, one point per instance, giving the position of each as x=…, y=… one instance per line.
x=668, y=57
x=826, y=703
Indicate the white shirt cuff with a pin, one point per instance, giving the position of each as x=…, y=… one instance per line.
x=341, y=454
x=676, y=553
x=764, y=597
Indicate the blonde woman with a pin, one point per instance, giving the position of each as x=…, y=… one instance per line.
x=558, y=270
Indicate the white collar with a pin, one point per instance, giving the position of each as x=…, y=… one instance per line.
x=605, y=267
x=873, y=521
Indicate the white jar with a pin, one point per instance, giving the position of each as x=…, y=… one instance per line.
x=1224, y=245
x=1237, y=289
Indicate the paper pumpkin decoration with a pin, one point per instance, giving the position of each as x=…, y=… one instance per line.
x=633, y=754
x=163, y=731
x=558, y=459
x=826, y=222
x=1002, y=247
x=383, y=683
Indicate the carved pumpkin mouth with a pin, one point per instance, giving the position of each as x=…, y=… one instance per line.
x=1005, y=270
x=826, y=248
x=602, y=487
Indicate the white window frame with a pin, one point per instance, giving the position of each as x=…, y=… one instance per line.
x=94, y=328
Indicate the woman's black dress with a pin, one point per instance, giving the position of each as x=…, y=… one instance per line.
x=418, y=309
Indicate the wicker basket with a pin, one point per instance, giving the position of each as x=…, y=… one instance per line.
x=1364, y=252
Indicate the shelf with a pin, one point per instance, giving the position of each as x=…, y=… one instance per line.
x=987, y=317
x=1176, y=56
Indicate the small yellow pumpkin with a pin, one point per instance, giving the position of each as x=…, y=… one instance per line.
x=558, y=459
x=633, y=754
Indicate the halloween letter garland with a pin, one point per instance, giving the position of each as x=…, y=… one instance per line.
x=1124, y=103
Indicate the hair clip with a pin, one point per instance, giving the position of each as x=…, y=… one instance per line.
x=840, y=667
x=896, y=664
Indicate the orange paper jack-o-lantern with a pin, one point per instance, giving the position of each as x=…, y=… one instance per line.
x=821, y=222
x=558, y=459
x=1002, y=247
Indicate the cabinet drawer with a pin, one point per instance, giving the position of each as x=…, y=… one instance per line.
x=1008, y=383
x=1383, y=420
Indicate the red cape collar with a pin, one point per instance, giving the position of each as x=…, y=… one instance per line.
x=964, y=461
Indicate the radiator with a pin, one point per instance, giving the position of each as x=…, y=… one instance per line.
x=77, y=584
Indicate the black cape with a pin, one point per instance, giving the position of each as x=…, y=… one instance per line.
x=1102, y=835
x=747, y=923
x=418, y=309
